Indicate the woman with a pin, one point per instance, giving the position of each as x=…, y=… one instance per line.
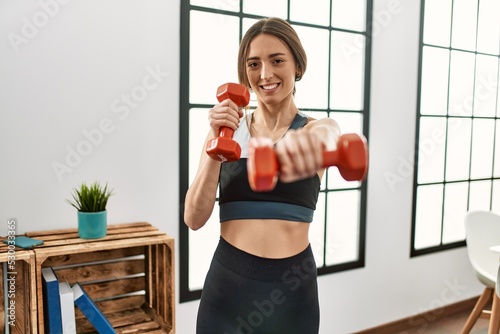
x=262, y=278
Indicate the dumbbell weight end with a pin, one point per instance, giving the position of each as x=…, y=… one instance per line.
x=350, y=157
x=224, y=148
x=265, y=162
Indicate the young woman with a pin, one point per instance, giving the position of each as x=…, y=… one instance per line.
x=262, y=278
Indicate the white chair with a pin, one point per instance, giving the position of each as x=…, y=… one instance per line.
x=482, y=230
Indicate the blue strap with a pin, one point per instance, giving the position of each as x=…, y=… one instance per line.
x=298, y=122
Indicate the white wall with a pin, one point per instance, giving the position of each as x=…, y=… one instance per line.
x=392, y=286
x=70, y=67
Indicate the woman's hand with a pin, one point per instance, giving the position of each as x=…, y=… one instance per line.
x=224, y=114
x=299, y=154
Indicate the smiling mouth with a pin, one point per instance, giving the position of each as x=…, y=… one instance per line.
x=270, y=87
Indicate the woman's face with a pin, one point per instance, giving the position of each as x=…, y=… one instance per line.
x=271, y=69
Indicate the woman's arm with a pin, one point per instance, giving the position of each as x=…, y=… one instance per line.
x=328, y=131
x=200, y=197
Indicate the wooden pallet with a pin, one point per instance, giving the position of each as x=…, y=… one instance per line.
x=129, y=274
x=20, y=272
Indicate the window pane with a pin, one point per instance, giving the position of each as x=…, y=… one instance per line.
x=317, y=231
x=496, y=170
x=458, y=148
x=431, y=148
x=482, y=148
x=455, y=208
x=199, y=131
x=276, y=8
x=300, y=10
x=497, y=85
x=232, y=5
x=485, y=102
x=318, y=115
x=480, y=192
x=468, y=87
x=434, y=91
x=208, y=24
x=349, y=15
x=349, y=122
x=428, y=216
x=347, y=71
x=488, y=27
x=437, y=22
x=205, y=62
x=312, y=90
x=342, y=227
x=202, y=244
x=461, y=83
x=495, y=203
x=247, y=23
x=315, y=114
x=464, y=24
x=336, y=181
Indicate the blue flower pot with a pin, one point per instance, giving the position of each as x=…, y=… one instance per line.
x=92, y=225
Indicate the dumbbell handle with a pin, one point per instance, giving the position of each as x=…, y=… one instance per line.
x=225, y=132
x=330, y=158
x=223, y=147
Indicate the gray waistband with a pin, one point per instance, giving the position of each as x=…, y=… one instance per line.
x=265, y=210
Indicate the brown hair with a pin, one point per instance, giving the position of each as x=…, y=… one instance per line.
x=280, y=29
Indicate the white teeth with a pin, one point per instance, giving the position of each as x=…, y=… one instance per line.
x=270, y=86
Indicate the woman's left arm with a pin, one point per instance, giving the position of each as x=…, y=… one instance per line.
x=327, y=130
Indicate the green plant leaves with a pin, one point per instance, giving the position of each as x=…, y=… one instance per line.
x=93, y=198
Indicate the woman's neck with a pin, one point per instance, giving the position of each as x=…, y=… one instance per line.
x=272, y=122
x=273, y=117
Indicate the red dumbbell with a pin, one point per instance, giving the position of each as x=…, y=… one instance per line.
x=224, y=148
x=351, y=159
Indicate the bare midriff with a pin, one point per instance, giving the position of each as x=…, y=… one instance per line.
x=268, y=238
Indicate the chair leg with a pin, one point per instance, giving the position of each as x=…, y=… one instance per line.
x=478, y=309
x=495, y=316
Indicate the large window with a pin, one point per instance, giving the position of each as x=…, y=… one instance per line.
x=335, y=34
x=458, y=126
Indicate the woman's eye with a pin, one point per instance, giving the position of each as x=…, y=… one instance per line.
x=278, y=61
x=252, y=64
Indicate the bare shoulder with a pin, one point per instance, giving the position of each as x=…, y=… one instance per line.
x=310, y=119
x=326, y=129
x=322, y=121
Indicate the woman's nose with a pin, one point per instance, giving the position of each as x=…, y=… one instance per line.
x=266, y=73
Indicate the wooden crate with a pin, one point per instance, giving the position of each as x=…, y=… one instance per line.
x=129, y=274
x=20, y=290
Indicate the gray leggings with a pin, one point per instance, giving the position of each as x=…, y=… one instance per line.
x=246, y=294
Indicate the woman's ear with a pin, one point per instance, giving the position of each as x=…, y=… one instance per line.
x=298, y=74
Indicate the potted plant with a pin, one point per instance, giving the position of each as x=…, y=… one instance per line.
x=91, y=201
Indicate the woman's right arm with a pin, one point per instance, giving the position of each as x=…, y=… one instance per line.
x=200, y=197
